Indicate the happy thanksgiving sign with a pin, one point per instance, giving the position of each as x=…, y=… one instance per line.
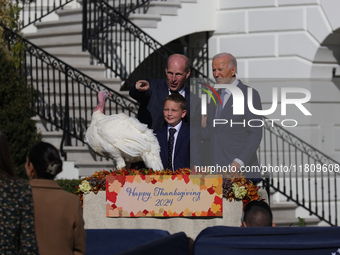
x=164, y=196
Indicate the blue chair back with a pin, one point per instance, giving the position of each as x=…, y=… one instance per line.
x=111, y=241
x=175, y=244
x=270, y=240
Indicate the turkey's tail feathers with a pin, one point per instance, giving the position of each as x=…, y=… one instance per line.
x=152, y=160
x=152, y=157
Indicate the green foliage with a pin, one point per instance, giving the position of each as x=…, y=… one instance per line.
x=69, y=185
x=9, y=17
x=15, y=95
x=302, y=222
x=9, y=14
x=15, y=114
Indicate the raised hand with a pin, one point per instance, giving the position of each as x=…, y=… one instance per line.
x=142, y=85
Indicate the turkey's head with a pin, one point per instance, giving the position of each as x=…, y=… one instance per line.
x=102, y=97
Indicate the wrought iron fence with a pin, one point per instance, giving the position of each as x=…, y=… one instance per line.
x=33, y=11
x=122, y=46
x=125, y=7
x=62, y=95
x=198, y=52
x=300, y=172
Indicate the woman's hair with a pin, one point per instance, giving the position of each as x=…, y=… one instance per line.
x=46, y=160
x=6, y=164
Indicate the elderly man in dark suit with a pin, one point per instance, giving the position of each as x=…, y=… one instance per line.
x=233, y=143
x=151, y=94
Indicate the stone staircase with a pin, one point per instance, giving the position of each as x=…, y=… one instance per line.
x=63, y=39
x=154, y=14
x=285, y=212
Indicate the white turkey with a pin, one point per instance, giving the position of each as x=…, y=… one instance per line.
x=122, y=138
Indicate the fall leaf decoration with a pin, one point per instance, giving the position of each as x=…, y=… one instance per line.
x=233, y=188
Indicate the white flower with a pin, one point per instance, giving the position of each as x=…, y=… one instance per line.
x=239, y=191
x=85, y=187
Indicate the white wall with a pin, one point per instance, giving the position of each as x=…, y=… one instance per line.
x=276, y=39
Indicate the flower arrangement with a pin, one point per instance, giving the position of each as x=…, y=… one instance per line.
x=240, y=188
x=97, y=182
x=233, y=188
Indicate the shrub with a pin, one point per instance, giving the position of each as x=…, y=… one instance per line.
x=15, y=113
x=69, y=185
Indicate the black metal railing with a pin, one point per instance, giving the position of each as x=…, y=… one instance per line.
x=302, y=173
x=62, y=95
x=198, y=52
x=121, y=45
x=33, y=11
x=125, y=7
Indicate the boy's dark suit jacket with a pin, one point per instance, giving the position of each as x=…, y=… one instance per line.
x=182, y=146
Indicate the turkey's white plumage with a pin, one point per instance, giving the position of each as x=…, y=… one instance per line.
x=122, y=138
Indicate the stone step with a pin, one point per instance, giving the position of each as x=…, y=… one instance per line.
x=82, y=153
x=51, y=96
x=51, y=33
x=54, y=87
x=52, y=137
x=145, y=20
x=95, y=72
x=69, y=15
x=65, y=49
x=285, y=213
x=78, y=107
x=163, y=8
x=77, y=114
x=70, y=36
x=45, y=126
x=311, y=222
x=62, y=40
x=188, y=1
x=76, y=101
x=74, y=59
x=88, y=168
x=80, y=66
x=60, y=87
x=77, y=125
x=59, y=26
x=283, y=210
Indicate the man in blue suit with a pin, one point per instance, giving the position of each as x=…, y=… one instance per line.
x=174, y=138
x=151, y=94
x=233, y=143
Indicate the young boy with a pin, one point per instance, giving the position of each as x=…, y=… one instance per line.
x=174, y=138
